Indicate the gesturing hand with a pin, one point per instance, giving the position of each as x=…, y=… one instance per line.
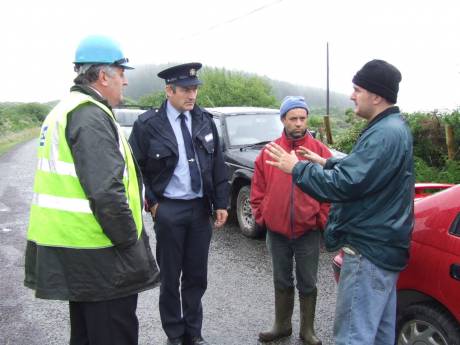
x=311, y=156
x=281, y=159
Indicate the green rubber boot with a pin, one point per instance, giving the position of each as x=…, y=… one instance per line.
x=284, y=305
x=307, y=318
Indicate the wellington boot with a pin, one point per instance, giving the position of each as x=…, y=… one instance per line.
x=307, y=318
x=284, y=305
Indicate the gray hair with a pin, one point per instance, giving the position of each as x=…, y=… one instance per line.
x=89, y=73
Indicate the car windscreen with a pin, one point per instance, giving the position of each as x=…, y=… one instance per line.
x=126, y=117
x=246, y=129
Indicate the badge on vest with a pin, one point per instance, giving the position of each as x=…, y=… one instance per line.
x=43, y=135
x=208, y=137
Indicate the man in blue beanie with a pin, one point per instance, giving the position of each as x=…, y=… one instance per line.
x=293, y=221
x=371, y=219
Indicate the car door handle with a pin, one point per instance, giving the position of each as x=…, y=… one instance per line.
x=455, y=271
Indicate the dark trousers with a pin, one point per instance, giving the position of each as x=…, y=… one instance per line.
x=112, y=322
x=183, y=232
x=304, y=250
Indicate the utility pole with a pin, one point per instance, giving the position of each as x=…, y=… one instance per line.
x=327, y=123
x=327, y=78
x=450, y=141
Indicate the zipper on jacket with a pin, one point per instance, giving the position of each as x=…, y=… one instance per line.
x=292, y=213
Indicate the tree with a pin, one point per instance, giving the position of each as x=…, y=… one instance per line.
x=225, y=88
x=154, y=99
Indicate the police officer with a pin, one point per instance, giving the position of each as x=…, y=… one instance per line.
x=177, y=147
x=86, y=241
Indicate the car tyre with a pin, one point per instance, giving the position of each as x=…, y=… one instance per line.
x=426, y=324
x=244, y=214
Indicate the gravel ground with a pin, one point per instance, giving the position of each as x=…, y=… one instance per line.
x=237, y=305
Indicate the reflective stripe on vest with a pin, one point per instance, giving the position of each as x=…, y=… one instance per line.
x=60, y=213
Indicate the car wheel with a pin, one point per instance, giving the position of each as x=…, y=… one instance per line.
x=426, y=324
x=244, y=213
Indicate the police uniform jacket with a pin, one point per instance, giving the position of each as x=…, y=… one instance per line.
x=155, y=148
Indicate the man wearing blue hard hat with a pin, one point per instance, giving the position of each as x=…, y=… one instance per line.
x=86, y=242
x=177, y=147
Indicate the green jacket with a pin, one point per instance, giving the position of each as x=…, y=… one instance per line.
x=126, y=265
x=371, y=191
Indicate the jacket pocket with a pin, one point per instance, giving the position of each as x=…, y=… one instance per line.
x=159, y=156
x=158, y=151
x=133, y=266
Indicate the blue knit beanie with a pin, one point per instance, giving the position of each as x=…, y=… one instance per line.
x=292, y=102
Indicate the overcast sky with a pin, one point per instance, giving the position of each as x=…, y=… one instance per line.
x=281, y=39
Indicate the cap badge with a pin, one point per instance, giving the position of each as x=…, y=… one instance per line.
x=192, y=72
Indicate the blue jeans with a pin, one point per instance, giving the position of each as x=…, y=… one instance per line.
x=305, y=251
x=365, y=312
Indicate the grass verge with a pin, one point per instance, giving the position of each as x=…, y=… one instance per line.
x=10, y=140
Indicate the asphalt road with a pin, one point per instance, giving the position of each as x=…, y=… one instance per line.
x=237, y=305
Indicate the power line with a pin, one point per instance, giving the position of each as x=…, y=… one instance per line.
x=229, y=21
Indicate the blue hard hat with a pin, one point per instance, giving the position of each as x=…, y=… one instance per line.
x=98, y=49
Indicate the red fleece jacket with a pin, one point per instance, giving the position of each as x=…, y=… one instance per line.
x=277, y=202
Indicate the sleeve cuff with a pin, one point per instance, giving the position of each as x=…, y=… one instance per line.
x=330, y=162
x=298, y=168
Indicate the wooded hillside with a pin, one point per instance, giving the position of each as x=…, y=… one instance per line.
x=144, y=81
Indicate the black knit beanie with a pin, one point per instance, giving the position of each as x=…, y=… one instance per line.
x=381, y=78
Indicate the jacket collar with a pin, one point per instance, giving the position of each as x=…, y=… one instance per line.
x=379, y=117
x=293, y=143
x=87, y=90
x=165, y=130
x=197, y=116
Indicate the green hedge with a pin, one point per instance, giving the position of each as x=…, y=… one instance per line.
x=20, y=122
x=430, y=149
x=15, y=117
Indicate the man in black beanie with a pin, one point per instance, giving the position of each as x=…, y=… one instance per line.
x=371, y=216
x=381, y=78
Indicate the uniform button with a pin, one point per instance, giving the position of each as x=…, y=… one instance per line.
x=158, y=155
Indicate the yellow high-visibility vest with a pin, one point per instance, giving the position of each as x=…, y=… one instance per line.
x=60, y=213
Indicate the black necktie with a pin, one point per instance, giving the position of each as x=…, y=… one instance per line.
x=192, y=163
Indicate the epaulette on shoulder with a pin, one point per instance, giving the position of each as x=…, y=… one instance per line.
x=148, y=114
x=206, y=113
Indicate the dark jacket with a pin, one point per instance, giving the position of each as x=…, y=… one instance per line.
x=277, y=202
x=155, y=148
x=372, y=191
x=95, y=274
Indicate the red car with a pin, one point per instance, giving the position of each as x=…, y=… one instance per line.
x=425, y=189
x=429, y=288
